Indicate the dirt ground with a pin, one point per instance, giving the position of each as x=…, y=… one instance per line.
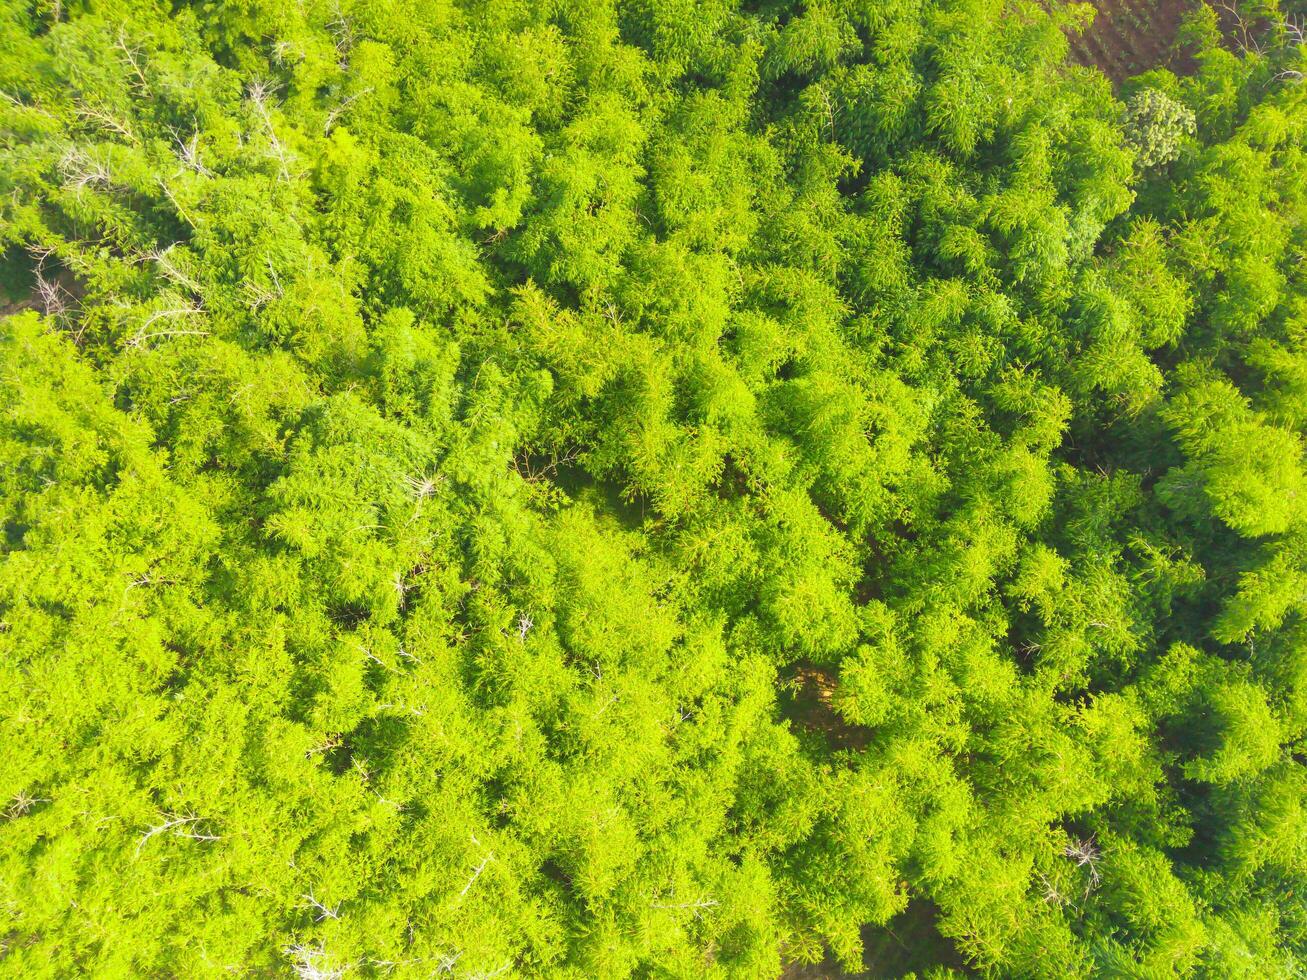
x=1131, y=36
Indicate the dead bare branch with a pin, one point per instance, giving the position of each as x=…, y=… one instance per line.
x=178, y=826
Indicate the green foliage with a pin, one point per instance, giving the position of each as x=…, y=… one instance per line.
x=1156, y=125
x=648, y=489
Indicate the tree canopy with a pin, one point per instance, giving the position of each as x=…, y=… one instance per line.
x=655, y=488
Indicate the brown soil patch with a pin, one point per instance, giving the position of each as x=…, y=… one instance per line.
x=1131, y=36
x=811, y=708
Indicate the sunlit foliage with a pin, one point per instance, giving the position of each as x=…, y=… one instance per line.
x=666, y=488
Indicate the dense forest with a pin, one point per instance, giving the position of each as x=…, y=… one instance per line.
x=650, y=488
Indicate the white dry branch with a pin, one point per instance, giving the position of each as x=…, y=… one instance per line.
x=133, y=58
x=1086, y=854
x=401, y=588
x=178, y=826
x=333, y=741
x=188, y=151
x=342, y=35
x=423, y=487
x=1051, y=894
x=417, y=711
x=323, y=911
x=22, y=803
x=607, y=704
x=260, y=93
x=313, y=963
x=335, y=112
x=485, y=862
x=172, y=199
x=145, y=334
x=698, y=906
x=360, y=766
x=368, y=654
x=284, y=52
x=25, y=106
x=261, y=295
x=1295, y=32
x=105, y=119
x=170, y=270
x=476, y=874
x=447, y=962
x=81, y=170
x=54, y=298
